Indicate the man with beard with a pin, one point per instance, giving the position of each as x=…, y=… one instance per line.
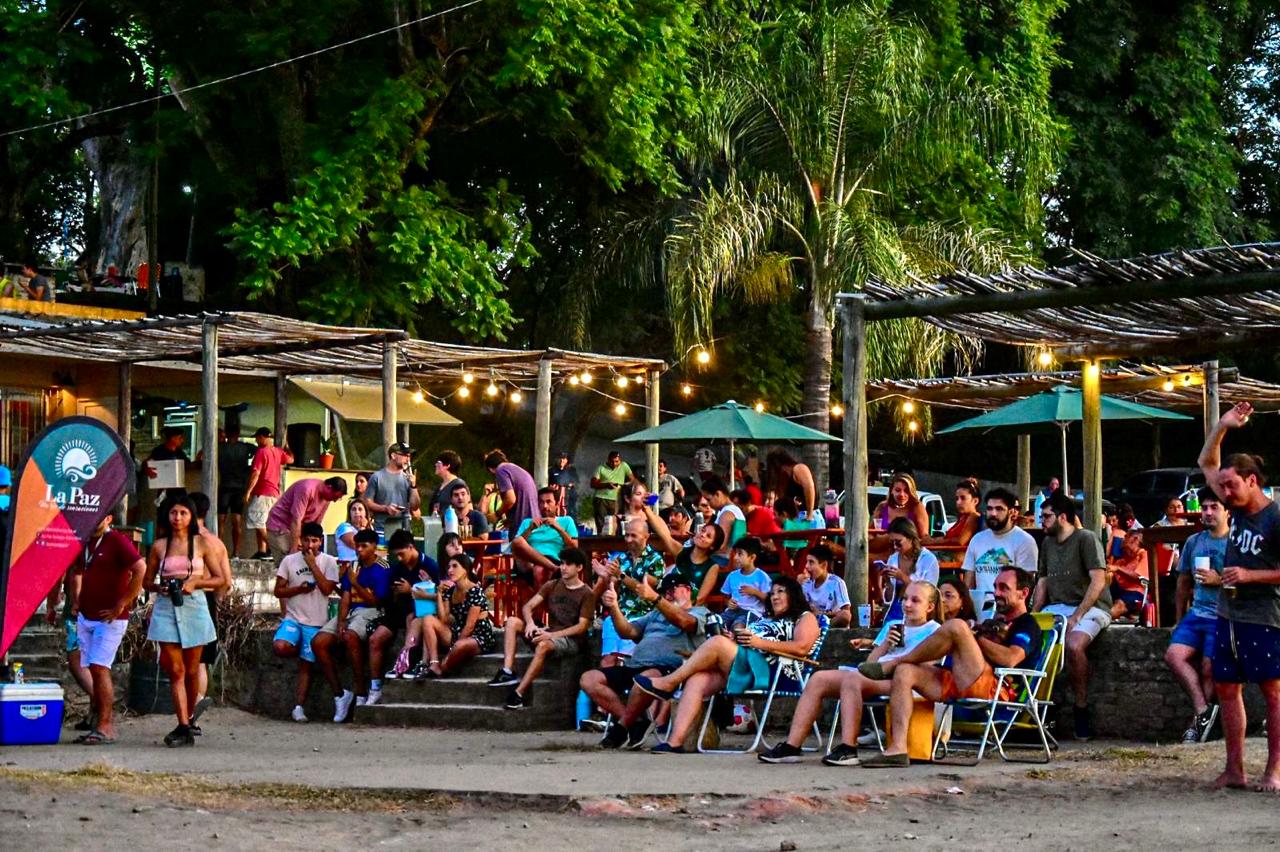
x=1001, y=545
x=1246, y=645
x=1074, y=586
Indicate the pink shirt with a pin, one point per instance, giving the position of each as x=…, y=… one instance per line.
x=268, y=462
x=301, y=501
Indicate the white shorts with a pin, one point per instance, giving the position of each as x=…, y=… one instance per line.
x=1094, y=622
x=99, y=640
x=255, y=516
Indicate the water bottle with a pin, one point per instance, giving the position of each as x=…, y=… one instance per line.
x=450, y=520
x=19, y=676
x=818, y=521
x=582, y=709
x=1193, y=502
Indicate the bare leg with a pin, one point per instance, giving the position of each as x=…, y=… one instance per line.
x=237, y=531
x=322, y=647
x=540, y=653
x=715, y=654
x=924, y=679
x=1180, y=658
x=378, y=642
x=355, y=653
x=1231, y=697
x=953, y=638
x=431, y=630
x=191, y=674
x=462, y=650
x=304, y=683
x=595, y=686
x=78, y=671
x=638, y=701
x=103, y=698
x=171, y=662
x=821, y=686
x=852, y=693
x=1078, y=664
x=700, y=685
x=1270, y=782
x=510, y=639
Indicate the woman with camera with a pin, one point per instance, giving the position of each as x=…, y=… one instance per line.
x=741, y=662
x=177, y=572
x=922, y=614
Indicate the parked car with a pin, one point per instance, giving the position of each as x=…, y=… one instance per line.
x=1150, y=491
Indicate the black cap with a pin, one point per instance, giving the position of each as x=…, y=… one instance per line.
x=670, y=581
x=262, y=432
x=400, y=447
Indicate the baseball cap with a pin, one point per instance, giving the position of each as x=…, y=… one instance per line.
x=669, y=582
x=262, y=432
x=400, y=447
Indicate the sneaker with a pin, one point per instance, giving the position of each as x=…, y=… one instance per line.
x=590, y=724
x=504, y=677
x=637, y=735
x=614, y=737
x=195, y=730
x=394, y=675
x=869, y=739
x=783, y=752
x=1204, y=723
x=842, y=755
x=1191, y=736
x=299, y=715
x=667, y=748
x=515, y=701
x=180, y=736
x=418, y=672
x=1083, y=729
x=375, y=695
x=362, y=700
x=342, y=706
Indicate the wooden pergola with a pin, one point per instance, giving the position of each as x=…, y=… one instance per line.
x=281, y=347
x=1200, y=302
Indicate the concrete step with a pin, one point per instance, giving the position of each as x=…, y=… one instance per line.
x=471, y=717
x=463, y=691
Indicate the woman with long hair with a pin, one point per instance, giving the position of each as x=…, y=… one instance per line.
x=462, y=624
x=631, y=503
x=742, y=662
x=787, y=477
x=344, y=545
x=968, y=518
x=921, y=615
x=903, y=502
x=910, y=560
x=177, y=573
x=956, y=600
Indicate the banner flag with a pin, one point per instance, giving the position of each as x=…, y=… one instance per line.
x=74, y=473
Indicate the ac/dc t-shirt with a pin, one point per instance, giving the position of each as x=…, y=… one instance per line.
x=1253, y=542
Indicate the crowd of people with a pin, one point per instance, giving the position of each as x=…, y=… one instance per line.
x=689, y=605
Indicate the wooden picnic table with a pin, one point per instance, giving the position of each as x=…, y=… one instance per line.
x=1151, y=537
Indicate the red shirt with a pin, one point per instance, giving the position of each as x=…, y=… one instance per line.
x=268, y=463
x=762, y=522
x=106, y=571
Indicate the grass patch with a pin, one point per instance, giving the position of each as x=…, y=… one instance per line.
x=203, y=792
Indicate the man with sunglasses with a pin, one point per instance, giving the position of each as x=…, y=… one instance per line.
x=1073, y=584
x=1001, y=545
x=393, y=491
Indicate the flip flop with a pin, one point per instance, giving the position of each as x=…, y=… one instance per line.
x=96, y=738
x=202, y=705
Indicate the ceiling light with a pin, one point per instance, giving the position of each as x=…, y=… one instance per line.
x=516, y=397
x=464, y=391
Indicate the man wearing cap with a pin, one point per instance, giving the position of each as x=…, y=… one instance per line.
x=393, y=491
x=264, y=486
x=564, y=478
x=664, y=636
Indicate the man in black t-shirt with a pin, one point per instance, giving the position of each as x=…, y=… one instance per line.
x=235, y=457
x=1011, y=639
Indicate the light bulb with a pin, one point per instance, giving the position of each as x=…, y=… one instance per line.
x=464, y=391
x=837, y=410
x=913, y=426
x=703, y=357
x=1186, y=380
x=1168, y=385
x=418, y=397
x=516, y=397
x=468, y=378
x=585, y=378
x=621, y=381
x=573, y=380
x=1045, y=358
x=759, y=408
x=686, y=389
x=908, y=407
x=620, y=409
x=491, y=390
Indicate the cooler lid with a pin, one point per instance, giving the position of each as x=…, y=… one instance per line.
x=30, y=692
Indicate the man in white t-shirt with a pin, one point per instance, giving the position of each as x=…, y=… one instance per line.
x=1001, y=545
x=826, y=593
x=304, y=581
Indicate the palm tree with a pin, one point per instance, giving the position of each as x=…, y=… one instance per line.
x=809, y=154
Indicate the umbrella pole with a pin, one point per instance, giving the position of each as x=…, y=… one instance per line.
x=1066, y=489
x=731, y=471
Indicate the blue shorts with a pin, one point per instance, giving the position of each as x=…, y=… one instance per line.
x=70, y=642
x=1196, y=631
x=292, y=632
x=612, y=643
x=1245, y=653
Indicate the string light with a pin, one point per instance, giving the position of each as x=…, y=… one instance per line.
x=620, y=409
x=464, y=392
x=621, y=381
x=573, y=380
x=913, y=426
x=837, y=410
x=908, y=407
x=492, y=390
x=516, y=397
x=1045, y=358
x=686, y=389
x=418, y=397
x=703, y=357
x=759, y=408
x=468, y=377
x=585, y=377
x=1186, y=380
x=1168, y=385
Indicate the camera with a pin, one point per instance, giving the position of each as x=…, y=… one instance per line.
x=173, y=588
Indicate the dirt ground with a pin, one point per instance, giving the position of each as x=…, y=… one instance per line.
x=1104, y=796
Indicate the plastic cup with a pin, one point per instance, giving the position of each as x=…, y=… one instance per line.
x=864, y=615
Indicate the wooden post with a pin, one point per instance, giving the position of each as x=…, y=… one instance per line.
x=404, y=434
x=1091, y=429
x=1024, y=473
x=1212, y=405
x=542, y=425
x=209, y=419
x=124, y=423
x=281, y=425
x=653, y=393
x=388, y=394
x=854, y=399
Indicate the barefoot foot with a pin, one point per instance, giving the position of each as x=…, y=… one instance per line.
x=1230, y=780
x=1268, y=784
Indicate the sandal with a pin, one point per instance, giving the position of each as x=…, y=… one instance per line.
x=96, y=738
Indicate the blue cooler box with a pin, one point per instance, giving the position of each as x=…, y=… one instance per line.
x=30, y=713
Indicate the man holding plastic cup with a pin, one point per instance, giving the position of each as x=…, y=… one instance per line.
x=1246, y=646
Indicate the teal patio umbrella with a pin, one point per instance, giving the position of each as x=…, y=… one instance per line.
x=1059, y=406
x=730, y=421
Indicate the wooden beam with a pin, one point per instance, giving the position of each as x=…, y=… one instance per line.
x=1213, y=376
x=1024, y=474
x=209, y=422
x=1091, y=431
x=652, y=419
x=280, y=420
x=1013, y=390
x=854, y=398
x=280, y=348
x=388, y=393
x=1175, y=347
x=542, y=425
x=70, y=331
x=1020, y=301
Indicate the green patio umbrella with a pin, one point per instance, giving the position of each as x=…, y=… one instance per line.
x=1059, y=406
x=732, y=422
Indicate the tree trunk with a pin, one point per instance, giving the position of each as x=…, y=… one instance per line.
x=816, y=405
x=123, y=179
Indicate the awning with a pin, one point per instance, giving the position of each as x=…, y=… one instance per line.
x=363, y=403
